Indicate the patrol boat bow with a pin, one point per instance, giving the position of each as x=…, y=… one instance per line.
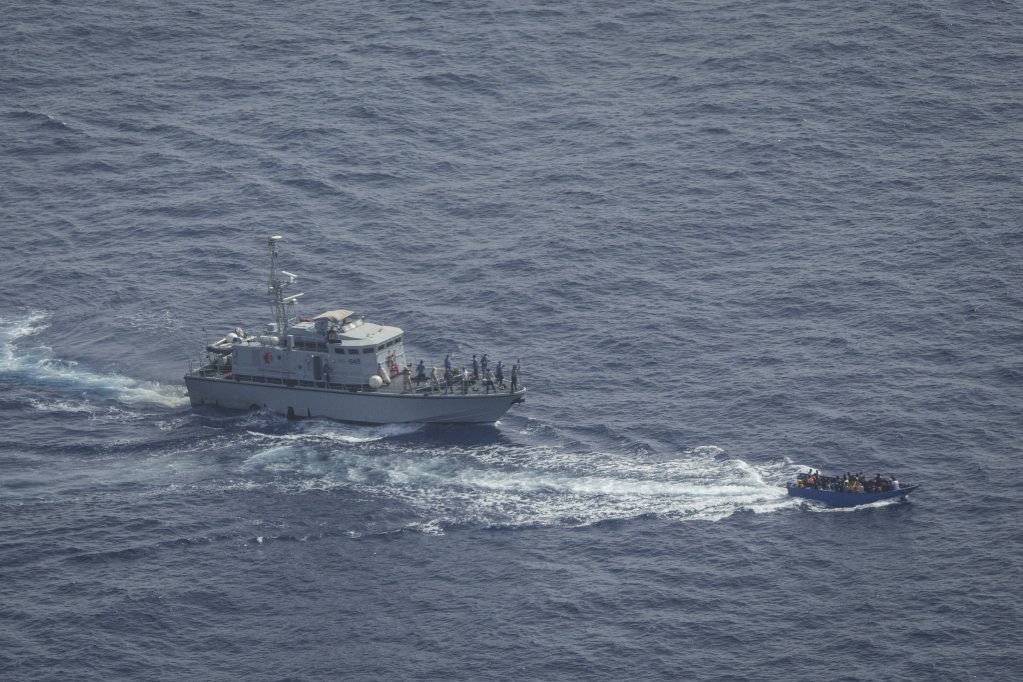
x=339, y=366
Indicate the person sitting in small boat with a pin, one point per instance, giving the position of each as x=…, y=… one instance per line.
x=848, y=483
x=809, y=479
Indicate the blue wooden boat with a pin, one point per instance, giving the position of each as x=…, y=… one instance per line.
x=836, y=498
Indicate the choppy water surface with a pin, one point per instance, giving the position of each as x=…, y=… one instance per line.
x=727, y=241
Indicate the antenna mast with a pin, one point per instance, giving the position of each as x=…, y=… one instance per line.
x=278, y=303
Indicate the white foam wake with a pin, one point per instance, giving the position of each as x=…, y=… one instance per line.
x=38, y=363
x=318, y=431
x=506, y=485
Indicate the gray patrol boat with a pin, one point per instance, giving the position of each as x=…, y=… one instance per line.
x=339, y=366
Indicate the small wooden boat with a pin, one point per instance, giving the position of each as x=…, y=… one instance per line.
x=845, y=498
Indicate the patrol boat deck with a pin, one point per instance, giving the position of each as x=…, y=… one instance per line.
x=335, y=365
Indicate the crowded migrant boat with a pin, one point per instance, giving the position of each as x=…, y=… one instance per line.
x=847, y=490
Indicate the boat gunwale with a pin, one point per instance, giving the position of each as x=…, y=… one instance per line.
x=376, y=393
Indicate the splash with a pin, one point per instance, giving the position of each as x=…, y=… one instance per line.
x=38, y=364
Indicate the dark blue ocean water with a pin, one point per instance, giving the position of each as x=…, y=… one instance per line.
x=728, y=241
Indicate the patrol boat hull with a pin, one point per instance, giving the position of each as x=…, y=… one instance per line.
x=363, y=407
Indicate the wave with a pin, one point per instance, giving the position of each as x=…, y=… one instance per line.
x=37, y=364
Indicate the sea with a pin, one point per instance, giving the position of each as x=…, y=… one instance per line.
x=729, y=241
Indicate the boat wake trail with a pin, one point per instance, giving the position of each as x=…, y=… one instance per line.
x=507, y=486
x=36, y=364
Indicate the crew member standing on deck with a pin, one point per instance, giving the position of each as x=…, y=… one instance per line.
x=420, y=373
x=515, y=377
x=499, y=374
x=475, y=367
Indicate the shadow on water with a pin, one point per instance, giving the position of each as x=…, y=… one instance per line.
x=463, y=435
